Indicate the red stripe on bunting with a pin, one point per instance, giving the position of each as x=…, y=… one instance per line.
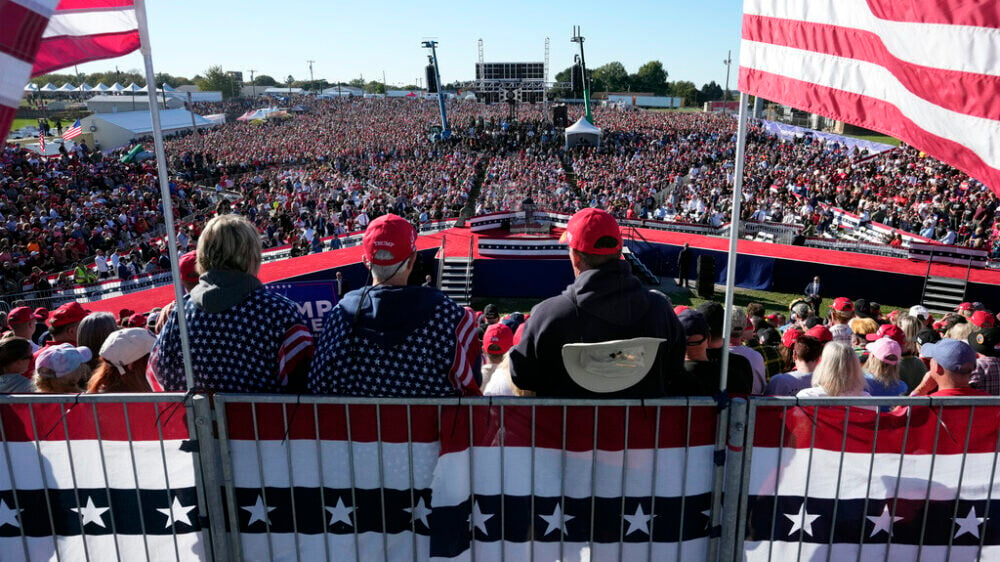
x=868, y=112
x=65, y=5
x=946, y=88
x=979, y=13
x=114, y=422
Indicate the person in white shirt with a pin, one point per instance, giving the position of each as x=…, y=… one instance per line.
x=839, y=373
x=101, y=263
x=740, y=325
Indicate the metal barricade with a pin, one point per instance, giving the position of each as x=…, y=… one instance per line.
x=829, y=479
x=99, y=477
x=511, y=479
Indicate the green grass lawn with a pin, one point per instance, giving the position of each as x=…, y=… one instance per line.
x=884, y=139
x=18, y=123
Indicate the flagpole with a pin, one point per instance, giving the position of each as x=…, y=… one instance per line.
x=734, y=236
x=161, y=172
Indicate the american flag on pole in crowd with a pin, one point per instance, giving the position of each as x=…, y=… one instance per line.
x=557, y=484
x=923, y=71
x=41, y=142
x=37, y=37
x=92, y=481
x=74, y=131
x=905, y=485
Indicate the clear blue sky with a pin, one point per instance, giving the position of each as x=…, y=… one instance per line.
x=349, y=39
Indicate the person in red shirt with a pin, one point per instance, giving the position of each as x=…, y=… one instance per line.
x=952, y=363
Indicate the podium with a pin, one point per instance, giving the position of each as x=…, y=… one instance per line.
x=527, y=223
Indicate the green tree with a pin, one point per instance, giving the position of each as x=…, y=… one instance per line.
x=265, y=80
x=216, y=80
x=651, y=77
x=711, y=92
x=357, y=83
x=686, y=90
x=374, y=87
x=611, y=77
x=163, y=77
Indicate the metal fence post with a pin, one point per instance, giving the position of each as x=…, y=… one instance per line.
x=718, y=476
x=731, y=527
x=211, y=478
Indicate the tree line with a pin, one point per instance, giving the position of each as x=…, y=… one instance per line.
x=650, y=78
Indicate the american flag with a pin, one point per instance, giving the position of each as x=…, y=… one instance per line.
x=57, y=503
x=828, y=484
x=37, y=37
x=923, y=71
x=41, y=142
x=74, y=131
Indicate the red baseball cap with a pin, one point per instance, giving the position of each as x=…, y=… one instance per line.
x=888, y=331
x=41, y=313
x=498, y=339
x=187, y=264
x=393, y=234
x=67, y=314
x=791, y=334
x=22, y=314
x=681, y=308
x=587, y=227
x=982, y=319
x=843, y=304
x=965, y=306
x=820, y=332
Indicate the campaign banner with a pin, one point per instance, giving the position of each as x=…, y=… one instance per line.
x=314, y=299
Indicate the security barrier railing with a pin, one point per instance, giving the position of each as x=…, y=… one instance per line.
x=257, y=477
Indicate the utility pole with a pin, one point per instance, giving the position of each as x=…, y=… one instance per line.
x=577, y=38
x=311, y=79
x=445, y=131
x=728, y=62
x=385, y=88
x=253, y=87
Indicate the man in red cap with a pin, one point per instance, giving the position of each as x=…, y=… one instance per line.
x=63, y=322
x=604, y=303
x=394, y=339
x=22, y=322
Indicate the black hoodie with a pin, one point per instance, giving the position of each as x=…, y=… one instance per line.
x=603, y=304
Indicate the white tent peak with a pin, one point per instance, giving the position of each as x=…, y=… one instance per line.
x=583, y=126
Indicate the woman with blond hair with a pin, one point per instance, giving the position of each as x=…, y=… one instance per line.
x=838, y=374
x=911, y=368
x=882, y=377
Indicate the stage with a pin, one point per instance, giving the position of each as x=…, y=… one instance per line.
x=533, y=266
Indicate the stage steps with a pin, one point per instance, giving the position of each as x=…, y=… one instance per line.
x=943, y=294
x=639, y=269
x=456, y=279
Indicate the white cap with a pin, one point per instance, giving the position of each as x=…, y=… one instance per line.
x=919, y=311
x=612, y=365
x=61, y=359
x=124, y=347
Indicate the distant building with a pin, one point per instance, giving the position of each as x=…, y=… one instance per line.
x=125, y=103
x=112, y=130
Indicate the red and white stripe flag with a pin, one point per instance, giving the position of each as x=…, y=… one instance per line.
x=923, y=71
x=37, y=37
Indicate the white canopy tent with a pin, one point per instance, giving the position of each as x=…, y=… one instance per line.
x=67, y=87
x=116, y=87
x=133, y=88
x=47, y=88
x=100, y=87
x=583, y=133
x=84, y=87
x=31, y=87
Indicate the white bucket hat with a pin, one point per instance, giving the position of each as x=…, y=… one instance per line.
x=610, y=366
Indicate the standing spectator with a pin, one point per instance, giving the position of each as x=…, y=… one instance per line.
x=63, y=323
x=243, y=338
x=766, y=343
x=497, y=341
x=124, y=357
x=841, y=313
x=756, y=360
x=605, y=302
x=391, y=339
x=952, y=364
x=342, y=287
x=813, y=289
x=61, y=368
x=101, y=263
x=986, y=344
x=15, y=357
x=22, y=322
x=684, y=266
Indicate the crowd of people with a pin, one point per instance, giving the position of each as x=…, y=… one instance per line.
x=605, y=336
x=344, y=162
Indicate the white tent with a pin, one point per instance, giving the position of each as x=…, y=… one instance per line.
x=167, y=88
x=31, y=87
x=84, y=87
x=67, y=87
x=582, y=133
x=116, y=87
x=133, y=88
x=216, y=118
x=47, y=88
x=100, y=87
x=162, y=88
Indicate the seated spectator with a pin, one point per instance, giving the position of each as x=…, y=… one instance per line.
x=497, y=341
x=22, y=322
x=92, y=331
x=882, y=376
x=982, y=319
x=741, y=375
x=961, y=332
x=242, y=337
x=701, y=375
x=740, y=331
x=391, y=339
x=841, y=313
x=604, y=303
x=61, y=368
x=986, y=344
x=806, y=352
x=766, y=344
x=838, y=374
x=124, y=357
x=786, y=348
x=15, y=356
x=64, y=321
x=952, y=363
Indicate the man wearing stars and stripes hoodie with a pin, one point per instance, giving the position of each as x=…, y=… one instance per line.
x=391, y=339
x=243, y=338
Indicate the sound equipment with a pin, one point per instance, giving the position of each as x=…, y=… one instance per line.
x=577, y=78
x=432, y=86
x=706, y=277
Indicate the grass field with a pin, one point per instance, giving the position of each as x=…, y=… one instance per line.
x=18, y=123
x=884, y=139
